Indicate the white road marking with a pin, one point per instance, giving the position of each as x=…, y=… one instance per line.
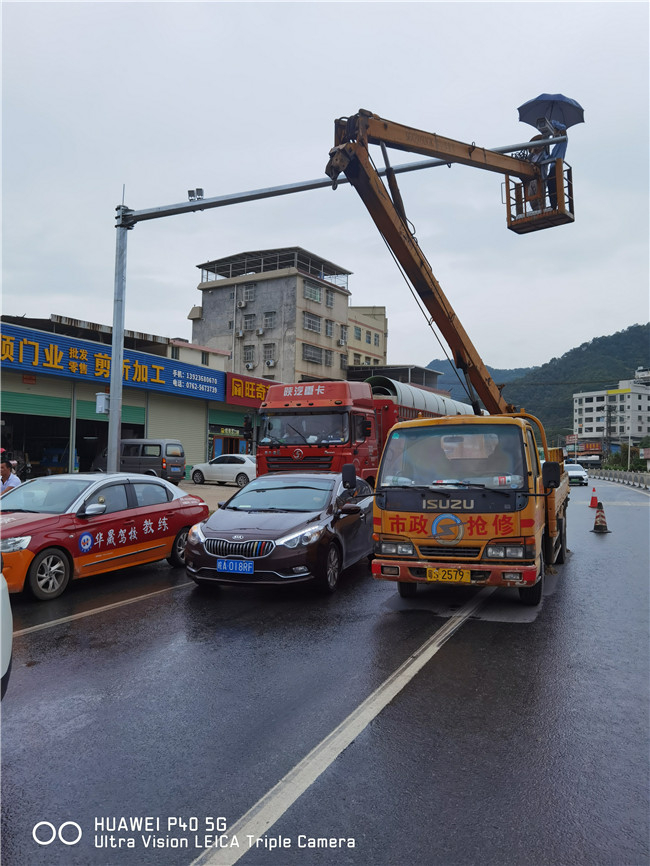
x=97, y=610
x=263, y=815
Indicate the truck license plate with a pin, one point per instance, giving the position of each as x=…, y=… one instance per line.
x=448, y=575
x=236, y=566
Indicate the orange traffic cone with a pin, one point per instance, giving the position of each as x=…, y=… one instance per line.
x=594, y=499
x=600, y=524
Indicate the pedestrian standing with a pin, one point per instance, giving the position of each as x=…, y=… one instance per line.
x=9, y=478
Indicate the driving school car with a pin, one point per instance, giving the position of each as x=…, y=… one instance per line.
x=63, y=527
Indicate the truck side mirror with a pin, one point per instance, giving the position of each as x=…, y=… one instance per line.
x=349, y=476
x=551, y=475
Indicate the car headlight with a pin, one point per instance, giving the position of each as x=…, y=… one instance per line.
x=11, y=545
x=195, y=535
x=303, y=538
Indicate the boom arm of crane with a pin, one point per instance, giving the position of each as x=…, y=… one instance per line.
x=353, y=159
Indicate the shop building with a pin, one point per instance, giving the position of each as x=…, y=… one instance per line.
x=53, y=370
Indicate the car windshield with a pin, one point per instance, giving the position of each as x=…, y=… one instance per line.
x=49, y=495
x=305, y=429
x=454, y=456
x=575, y=467
x=269, y=494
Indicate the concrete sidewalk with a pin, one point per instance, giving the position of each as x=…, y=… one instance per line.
x=211, y=494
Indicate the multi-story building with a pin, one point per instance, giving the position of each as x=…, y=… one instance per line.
x=284, y=314
x=367, y=336
x=603, y=420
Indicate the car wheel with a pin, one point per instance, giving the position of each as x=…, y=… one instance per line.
x=330, y=569
x=406, y=589
x=241, y=480
x=197, y=477
x=177, y=556
x=532, y=595
x=49, y=574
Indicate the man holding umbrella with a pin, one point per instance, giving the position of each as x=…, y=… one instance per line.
x=552, y=114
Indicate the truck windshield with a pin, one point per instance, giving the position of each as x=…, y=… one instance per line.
x=317, y=428
x=454, y=456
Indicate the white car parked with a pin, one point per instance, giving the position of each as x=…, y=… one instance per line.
x=236, y=469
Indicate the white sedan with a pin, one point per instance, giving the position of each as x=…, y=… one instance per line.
x=236, y=469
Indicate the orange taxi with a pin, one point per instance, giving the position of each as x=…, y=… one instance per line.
x=62, y=527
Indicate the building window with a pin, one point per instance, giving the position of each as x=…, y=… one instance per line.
x=176, y=353
x=377, y=340
x=270, y=319
x=344, y=362
x=368, y=338
x=249, y=322
x=357, y=332
x=356, y=360
x=367, y=361
x=310, y=322
x=249, y=354
x=328, y=357
x=231, y=324
x=269, y=352
x=249, y=292
x=329, y=328
x=329, y=297
x=205, y=359
x=312, y=292
x=312, y=353
x=344, y=333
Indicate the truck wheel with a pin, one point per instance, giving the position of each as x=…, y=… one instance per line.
x=532, y=595
x=49, y=574
x=561, y=553
x=406, y=589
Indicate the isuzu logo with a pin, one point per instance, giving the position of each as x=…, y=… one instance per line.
x=452, y=504
x=298, y=454
x=447, y=529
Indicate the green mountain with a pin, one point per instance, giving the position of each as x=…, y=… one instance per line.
x=547, y=391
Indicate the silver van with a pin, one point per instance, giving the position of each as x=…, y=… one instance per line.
x=162, y=457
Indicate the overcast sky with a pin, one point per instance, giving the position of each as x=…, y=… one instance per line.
x=162, y=97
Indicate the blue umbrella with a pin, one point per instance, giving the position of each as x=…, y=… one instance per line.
x=551, y=106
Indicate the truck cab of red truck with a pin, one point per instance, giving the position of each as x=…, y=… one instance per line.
x=318, y=425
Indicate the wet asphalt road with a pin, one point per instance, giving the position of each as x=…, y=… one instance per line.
x=523, y=740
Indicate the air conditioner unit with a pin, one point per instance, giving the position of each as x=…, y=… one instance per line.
x=241, y=304
x=341, y=342
x=250, y=366
x=270, y=363
x=240, y=334
x=260, y=331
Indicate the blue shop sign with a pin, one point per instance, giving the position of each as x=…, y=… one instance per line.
x=30, y=351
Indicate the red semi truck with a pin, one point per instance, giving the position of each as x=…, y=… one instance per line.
x=324, y=425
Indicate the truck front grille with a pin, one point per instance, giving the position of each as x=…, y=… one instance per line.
x=427, y=550
x=318, y=462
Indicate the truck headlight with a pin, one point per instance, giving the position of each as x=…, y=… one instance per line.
x=505, y=551
x=18, y=542
x=394, y=548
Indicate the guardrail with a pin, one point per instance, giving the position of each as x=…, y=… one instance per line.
x=635, y=479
